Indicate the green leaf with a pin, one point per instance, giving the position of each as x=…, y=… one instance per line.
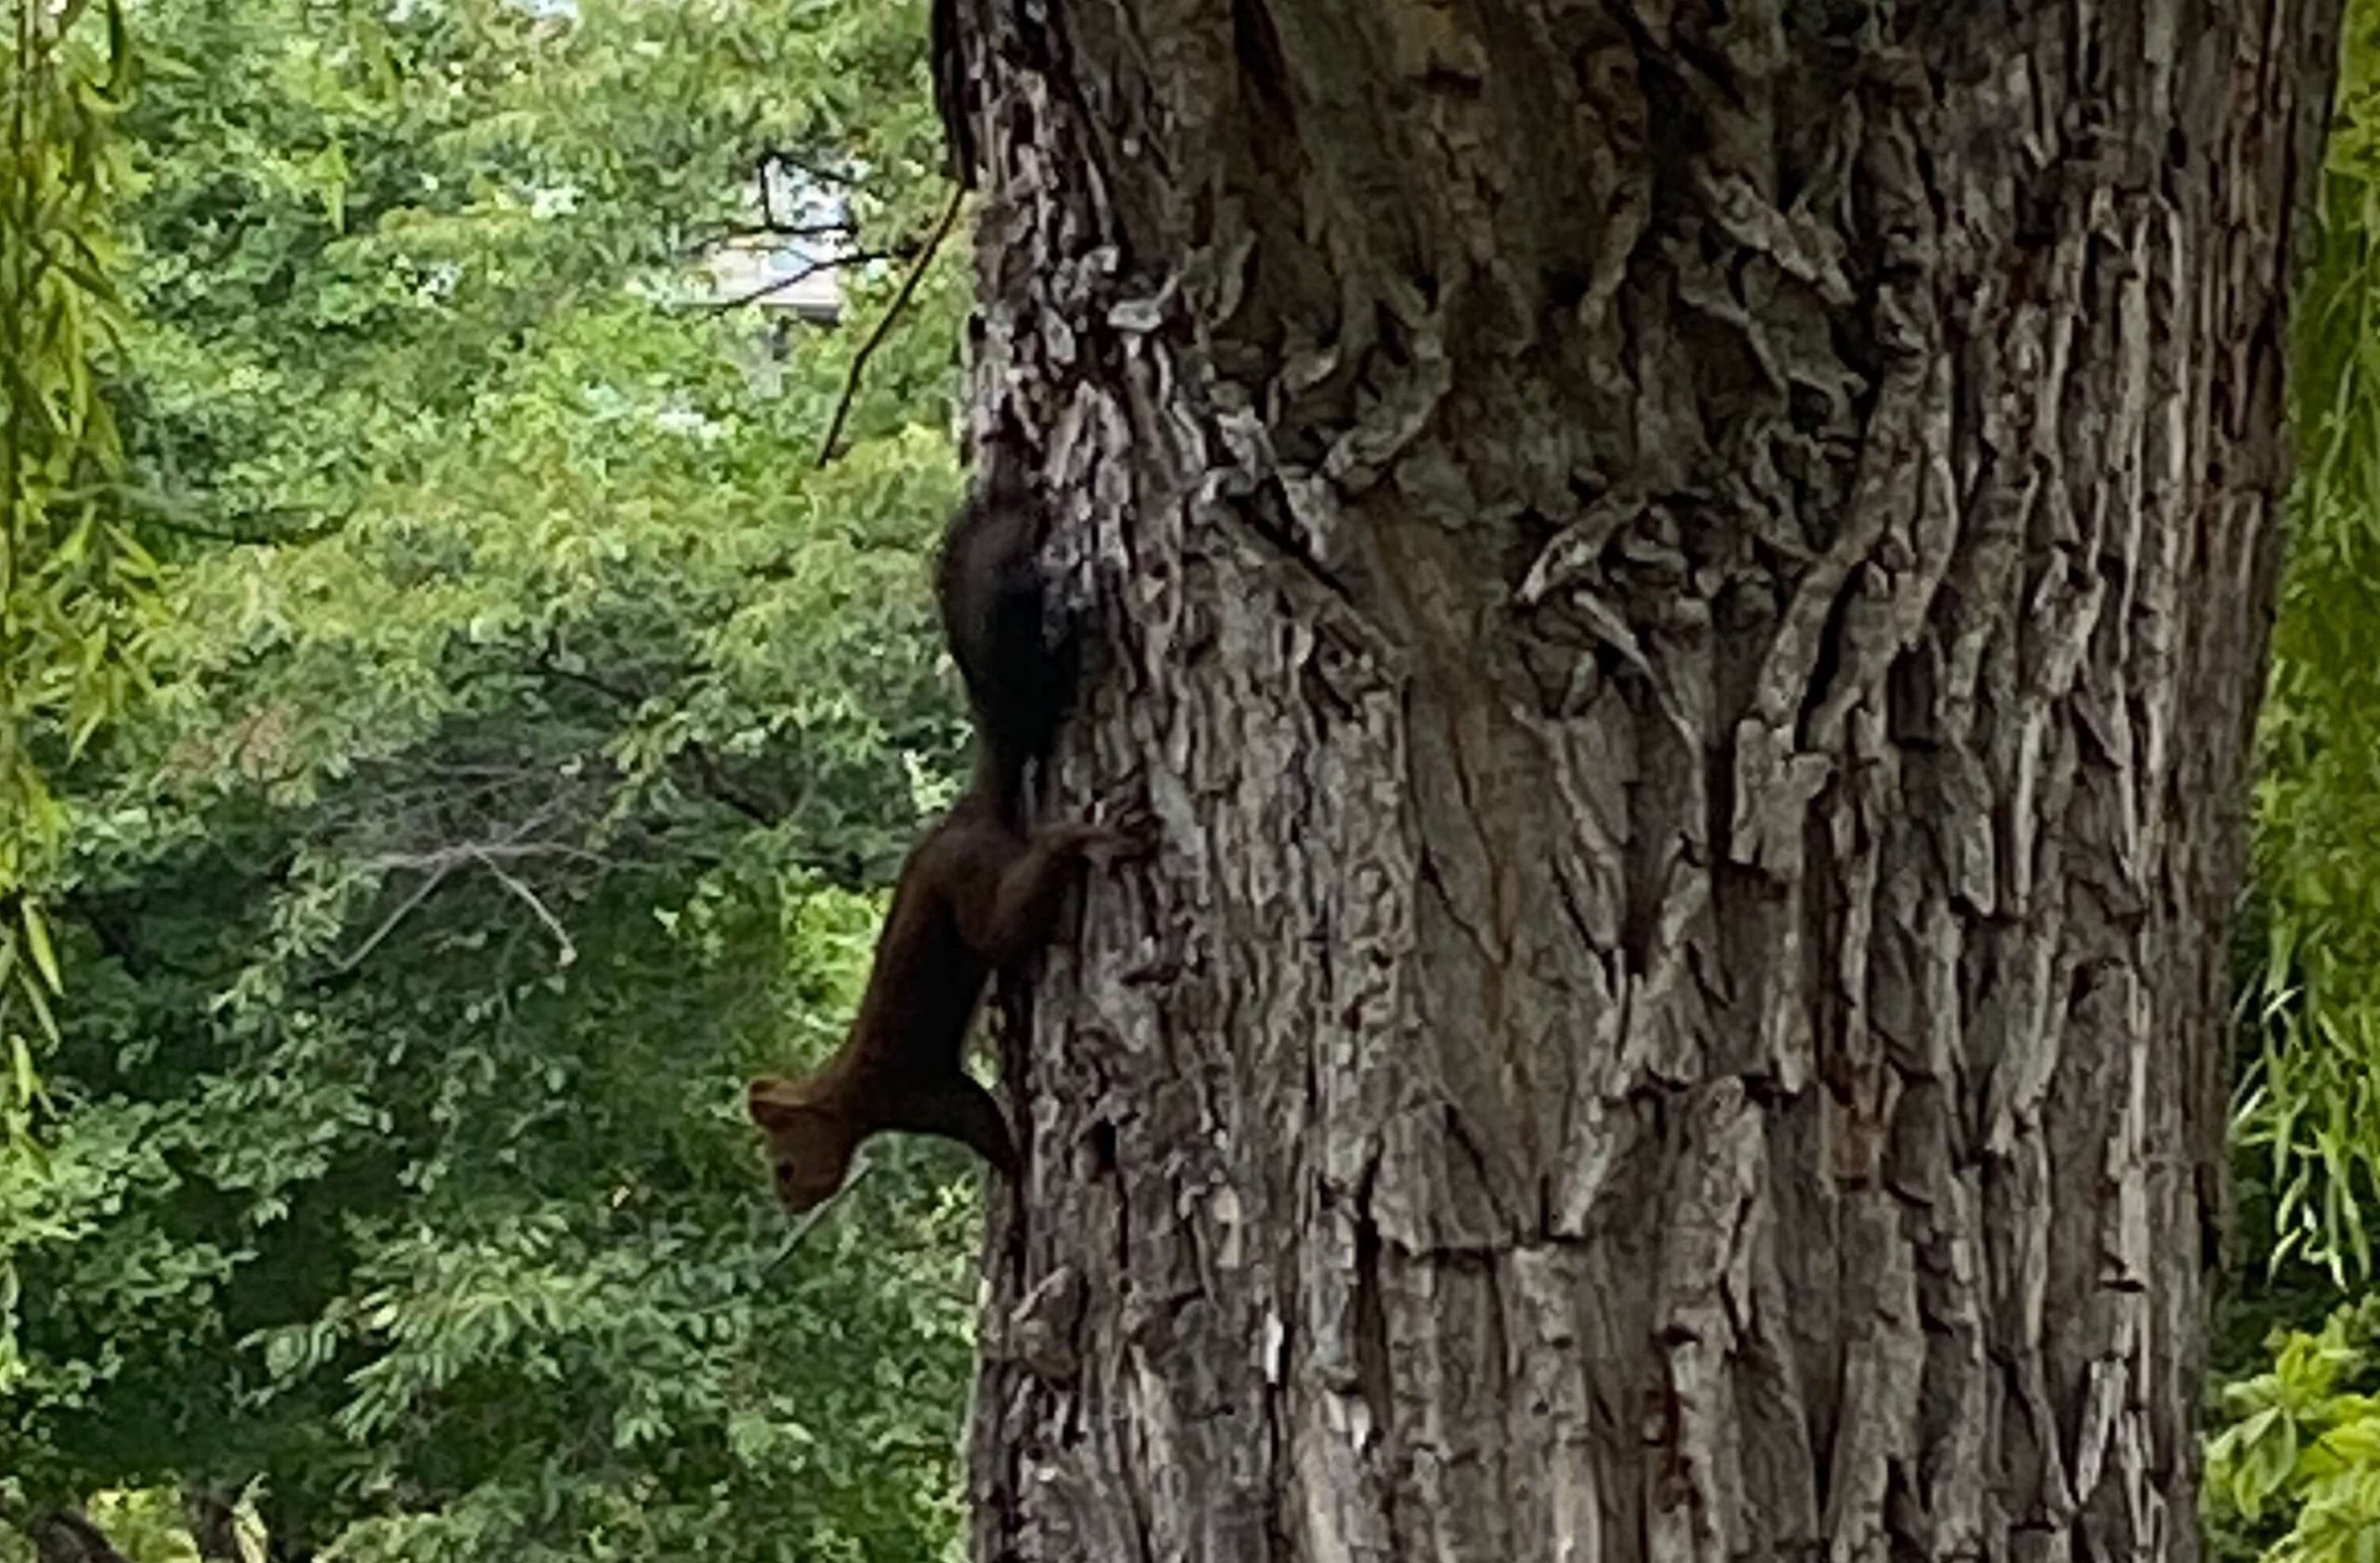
x=37, y=942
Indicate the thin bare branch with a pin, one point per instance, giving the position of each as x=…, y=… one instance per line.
x=733, y=236
x=884, y=327
x=855, y=258
x=421, y=893
x=568, y=952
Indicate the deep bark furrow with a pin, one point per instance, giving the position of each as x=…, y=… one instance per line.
x=1687, y=585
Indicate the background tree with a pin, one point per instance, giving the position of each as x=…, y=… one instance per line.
x=2311, y=1119
x=71, y=574
x=2293, y=1472
x=1690, y=587
x=522, y=782
x=73, y=580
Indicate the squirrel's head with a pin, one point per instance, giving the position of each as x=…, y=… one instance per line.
x=810, y=1143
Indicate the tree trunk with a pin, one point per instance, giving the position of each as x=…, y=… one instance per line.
x=1688, y=585
x=214, y=1523
x=65, y=1536
x=212, y=1515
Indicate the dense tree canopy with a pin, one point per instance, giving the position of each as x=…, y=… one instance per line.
x=2312, y=1110
x=72, y=579
x=537, y=722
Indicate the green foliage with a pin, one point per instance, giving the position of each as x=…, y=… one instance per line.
x=359, y=215
x=73, y=582
x=2294, y=1454
x=145, y=1526
x=2293, y=1470
x=69, y=573
x=2309, y=1119
x=529, y=780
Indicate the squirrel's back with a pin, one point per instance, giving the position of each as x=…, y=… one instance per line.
x=1019, y=673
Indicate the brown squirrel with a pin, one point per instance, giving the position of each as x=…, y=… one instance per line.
x=980, y=894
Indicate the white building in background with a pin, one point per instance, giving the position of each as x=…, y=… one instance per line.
x=785, y=273
x=779, y=281
x=787, y=264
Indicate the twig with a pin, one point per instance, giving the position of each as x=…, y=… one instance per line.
x=793, y=1239
x=172, y=514
x=545, y=667
x=856, y=257
x=818, y=171
x=727, y=792
x=568, y=952
x=313, y=532
x=768, y=196
x=733, y=236
x=388, y=924
x=884, y=326
x=440, y=865
x=707, y=771
x=447, y=858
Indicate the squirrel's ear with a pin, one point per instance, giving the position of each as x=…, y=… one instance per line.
x=772, y=1103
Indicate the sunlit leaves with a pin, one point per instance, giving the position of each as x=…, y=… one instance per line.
x=72, y=579
x=74, y=585
x=2293, y=1462
x=2310, y=1109
x=2293, y=1472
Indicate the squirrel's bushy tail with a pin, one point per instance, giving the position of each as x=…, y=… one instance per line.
x=1018, y=667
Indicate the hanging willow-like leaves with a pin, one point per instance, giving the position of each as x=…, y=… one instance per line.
x=73, y=583
x=74, y=586
x=2310, y=1112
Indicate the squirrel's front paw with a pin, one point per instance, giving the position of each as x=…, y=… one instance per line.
x=1128, y=832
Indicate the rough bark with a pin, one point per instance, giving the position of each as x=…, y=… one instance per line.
x=1688, y=585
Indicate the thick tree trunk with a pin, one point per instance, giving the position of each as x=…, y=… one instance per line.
x=1688, y=585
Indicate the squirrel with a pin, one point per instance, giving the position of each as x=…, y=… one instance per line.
x=981, y=893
